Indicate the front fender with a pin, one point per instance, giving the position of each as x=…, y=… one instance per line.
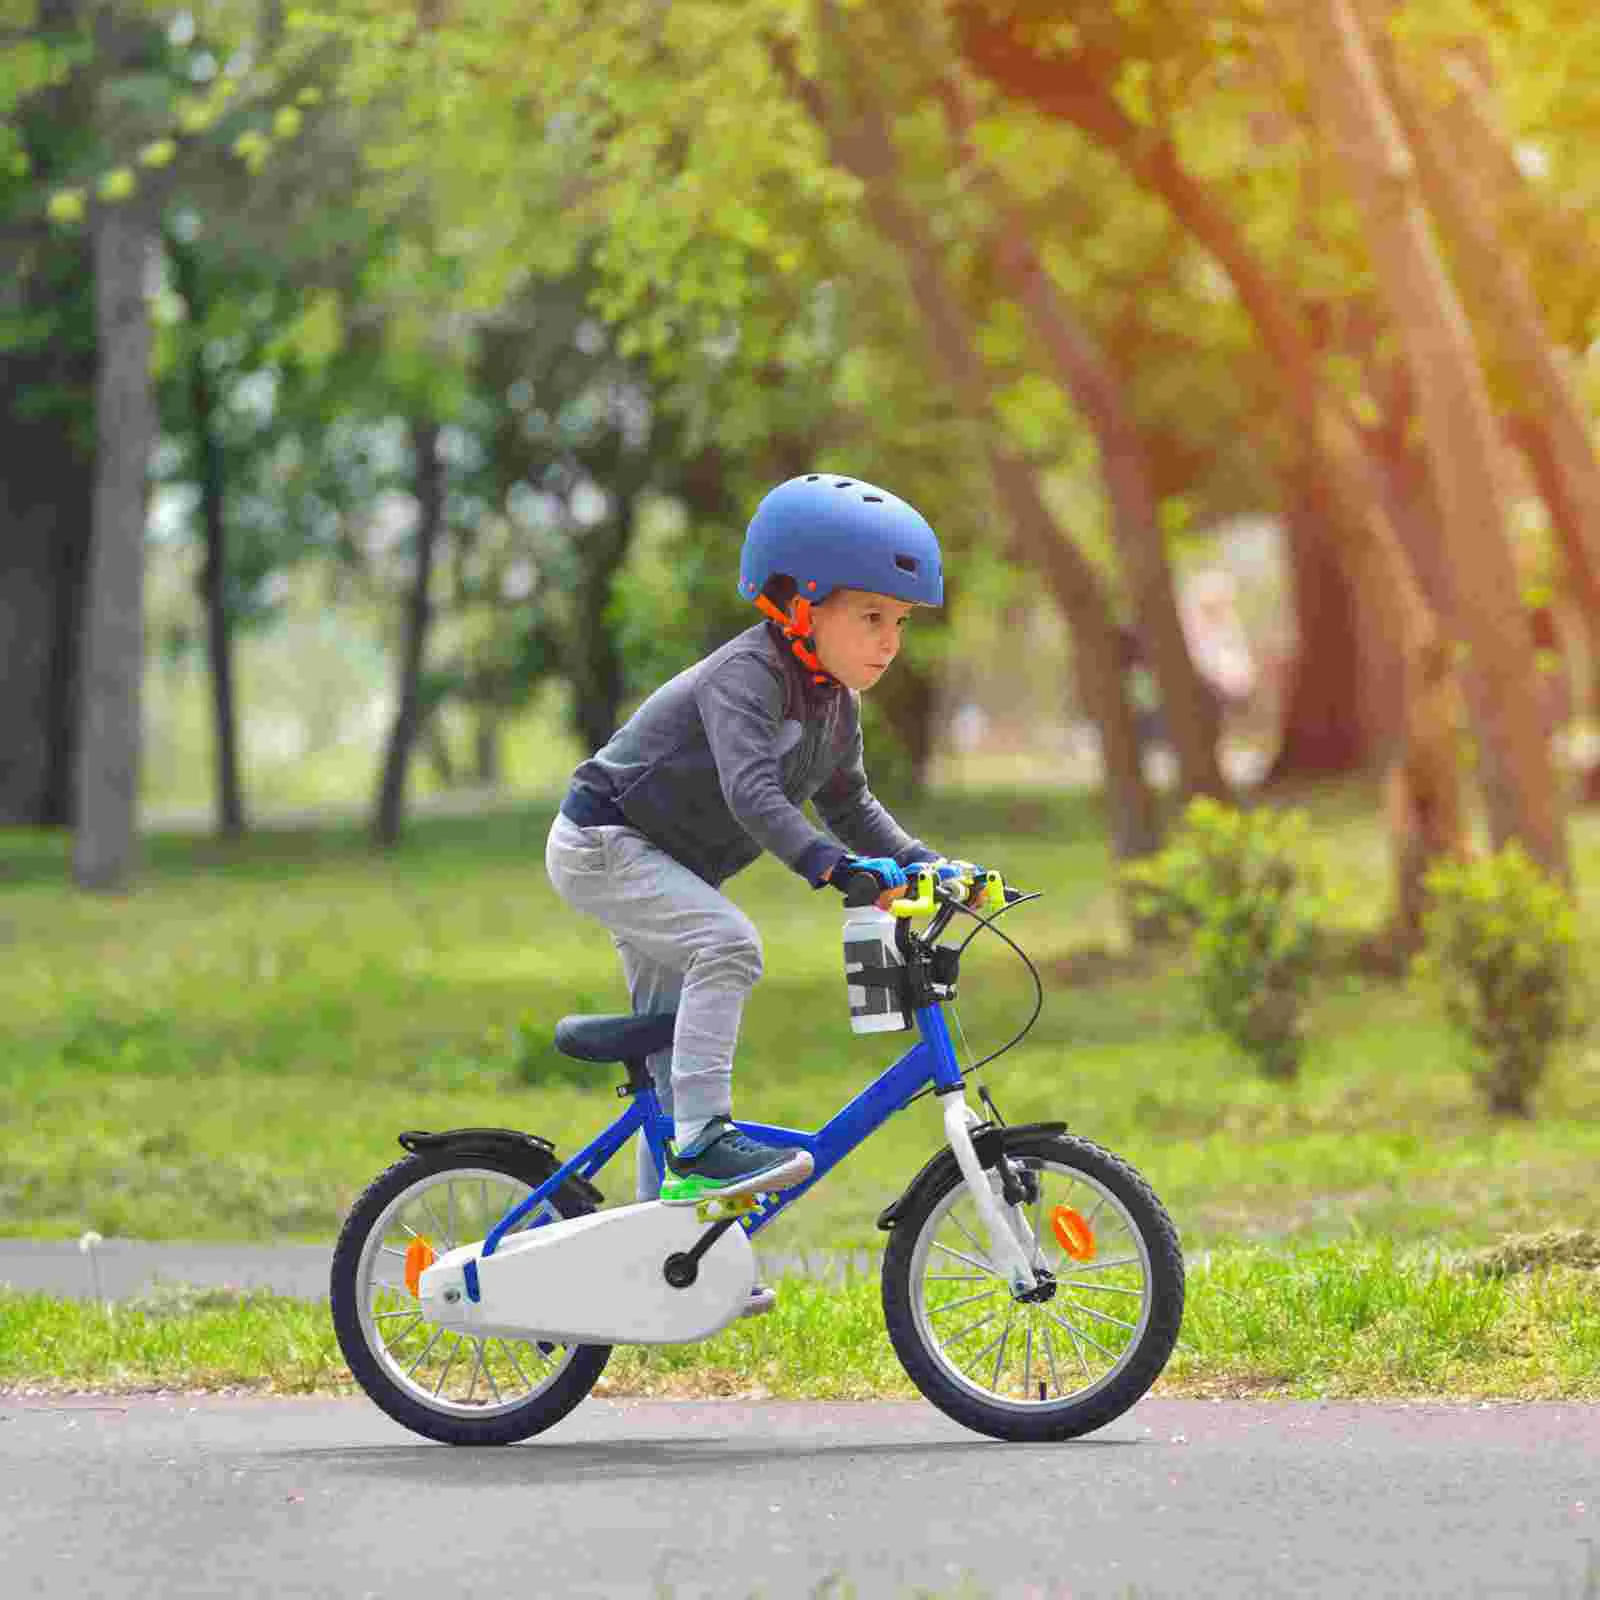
x=526, y=1149
x=988, y=1139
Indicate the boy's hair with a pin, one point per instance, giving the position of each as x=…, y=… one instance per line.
x=781, y=590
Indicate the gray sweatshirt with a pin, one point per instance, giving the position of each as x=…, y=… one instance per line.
x=715, y=766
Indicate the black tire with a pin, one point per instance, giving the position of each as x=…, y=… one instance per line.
x=563, y=1374
x=1069, y=1165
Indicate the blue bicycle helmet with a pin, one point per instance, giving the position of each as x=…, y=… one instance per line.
x=828, y=531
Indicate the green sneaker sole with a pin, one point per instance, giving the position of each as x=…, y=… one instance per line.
x=688, y=1190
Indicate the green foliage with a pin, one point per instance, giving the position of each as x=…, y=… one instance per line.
x=1502, y=947
x=1239, y=886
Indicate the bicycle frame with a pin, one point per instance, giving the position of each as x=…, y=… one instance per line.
x=932, y=1060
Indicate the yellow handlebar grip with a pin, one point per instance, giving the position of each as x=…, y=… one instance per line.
x=992, y=895
x=922, y=905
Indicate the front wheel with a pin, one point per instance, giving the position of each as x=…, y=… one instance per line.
x=1107, y=1311
x=454, y=1387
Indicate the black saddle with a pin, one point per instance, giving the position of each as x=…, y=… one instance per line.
x=615, y=1038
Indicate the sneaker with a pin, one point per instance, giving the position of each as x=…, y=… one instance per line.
x=723, y=1162
x=762, y=1300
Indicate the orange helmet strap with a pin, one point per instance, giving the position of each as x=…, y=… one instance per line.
x=797, y=630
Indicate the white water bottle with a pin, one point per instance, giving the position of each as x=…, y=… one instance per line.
x=869, y=947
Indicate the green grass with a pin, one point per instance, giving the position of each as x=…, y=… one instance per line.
x=1347, y=1320
x=228, y=1052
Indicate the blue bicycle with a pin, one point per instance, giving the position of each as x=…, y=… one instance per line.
x=1033, y=1284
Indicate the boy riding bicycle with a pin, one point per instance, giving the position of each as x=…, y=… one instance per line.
x=714, y=767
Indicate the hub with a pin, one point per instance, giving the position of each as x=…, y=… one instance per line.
x=1044, y=1289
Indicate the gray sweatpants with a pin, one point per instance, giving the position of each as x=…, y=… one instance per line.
x=684, y=946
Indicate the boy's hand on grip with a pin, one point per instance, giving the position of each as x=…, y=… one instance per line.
x=868, y=880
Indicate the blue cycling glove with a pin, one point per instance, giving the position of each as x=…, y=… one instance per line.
x=886, y=869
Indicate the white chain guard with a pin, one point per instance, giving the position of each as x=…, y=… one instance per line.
x=595, y=1280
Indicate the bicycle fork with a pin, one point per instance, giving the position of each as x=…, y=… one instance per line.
x=1005, y=1248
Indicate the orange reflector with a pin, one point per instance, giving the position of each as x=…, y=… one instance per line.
x=419, y=1257
x=1075, y=1235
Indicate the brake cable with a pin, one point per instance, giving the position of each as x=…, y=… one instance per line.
x=988, y=923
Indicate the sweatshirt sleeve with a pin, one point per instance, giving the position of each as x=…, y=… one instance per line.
x=853, y=812
x=741, y=708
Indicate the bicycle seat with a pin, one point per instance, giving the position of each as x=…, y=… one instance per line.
x=615, y=1038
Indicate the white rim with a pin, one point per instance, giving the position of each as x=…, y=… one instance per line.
x=455, y=1374
x=1033, y=1356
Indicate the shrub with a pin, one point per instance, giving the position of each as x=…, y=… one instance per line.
x=1239, y=885
x=1501, y=945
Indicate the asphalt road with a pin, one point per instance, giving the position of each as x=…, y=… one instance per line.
x=176, y=1497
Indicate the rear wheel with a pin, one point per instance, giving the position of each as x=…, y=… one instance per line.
x=449, y=1386
x=1108, y=1309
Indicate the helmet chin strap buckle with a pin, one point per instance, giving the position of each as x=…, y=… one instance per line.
x=797, y=630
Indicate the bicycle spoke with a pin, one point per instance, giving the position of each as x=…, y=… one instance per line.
x=966, y=1300
x=1106, y=1266
x=511, y=1356
x=955, y=1277
x=982, y=1322
x=450, y=1361
x=982, y=1266
x=1050, y=1355
x=1088, y=1339
x=438, y=1231
x=427, y=1350
x=1005, y=1339
x=1027, y=1364
x=1097, y=1288
x=416, y=1317
x=494, y=1388
x=382, y=1316
x=1100, y=1316
x=477, y=1367
x=999, y=1338
x=963, y=1230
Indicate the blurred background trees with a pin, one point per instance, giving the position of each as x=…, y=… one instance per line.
x=1242, y=356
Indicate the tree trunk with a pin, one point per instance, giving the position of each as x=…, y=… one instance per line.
x=429, y=469
x=595, y=663
x=230, y=819
x=46, y=469
x=1074, y=88
x=1081, y=368
x=1459, y=432
x=1456, y=167
x=860, y=142
x=486, y=748
x=107, y=787
x=1329, y=723
x=46, y=514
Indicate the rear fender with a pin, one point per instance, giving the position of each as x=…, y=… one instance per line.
x=526, y=1150
x=988, y=1139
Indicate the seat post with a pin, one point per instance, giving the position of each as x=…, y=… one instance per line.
x=638, y=1078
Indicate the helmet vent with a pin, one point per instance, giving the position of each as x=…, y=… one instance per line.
x=873, y=499
x=906, y=563
x=844, y=483
x=813, y=478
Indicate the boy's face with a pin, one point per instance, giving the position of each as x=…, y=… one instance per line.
x=858, y=634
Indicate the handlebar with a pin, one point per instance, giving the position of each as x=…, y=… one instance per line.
x=923, y=889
